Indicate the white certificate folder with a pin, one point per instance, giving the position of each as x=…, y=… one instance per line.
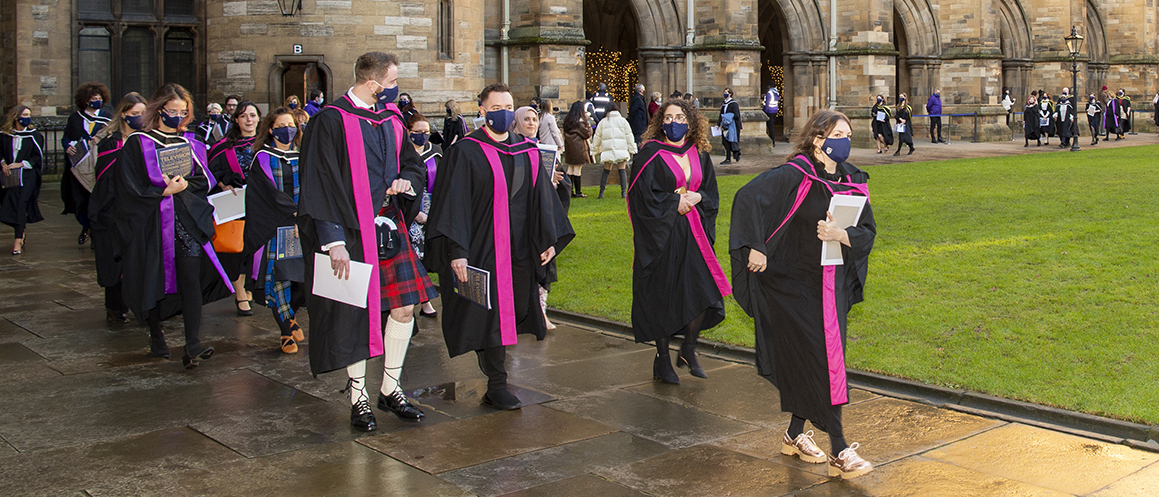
x=348, y=291
x=227, y=206
x=846, y=211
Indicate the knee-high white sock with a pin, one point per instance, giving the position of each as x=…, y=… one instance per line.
x=394, y=345
x=357, y=374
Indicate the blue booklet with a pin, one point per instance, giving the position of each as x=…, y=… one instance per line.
x=289, y=246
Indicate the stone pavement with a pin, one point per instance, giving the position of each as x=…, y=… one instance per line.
x=85, y=411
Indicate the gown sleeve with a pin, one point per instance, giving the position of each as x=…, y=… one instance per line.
x=652, y=207
x=759, y=210
x=449, y=224
x=267, y=209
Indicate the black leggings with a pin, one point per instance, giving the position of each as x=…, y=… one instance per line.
x=189, y=290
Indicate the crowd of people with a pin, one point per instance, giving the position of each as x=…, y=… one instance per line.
x=366, y=184
x=1045, y=116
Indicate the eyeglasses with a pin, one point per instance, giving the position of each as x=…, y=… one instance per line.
x=677, y=119
x=183, y=114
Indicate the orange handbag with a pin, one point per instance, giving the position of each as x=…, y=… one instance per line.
x=228, y=238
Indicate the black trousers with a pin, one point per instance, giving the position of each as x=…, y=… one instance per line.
x=189, y=290
x=936, y=122
x=114, y=301
x=770, y=127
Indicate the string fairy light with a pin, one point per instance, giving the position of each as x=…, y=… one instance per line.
x=612, y=68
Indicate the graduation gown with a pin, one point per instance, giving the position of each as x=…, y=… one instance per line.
x=229, y=163
x=107, y=235
x=270, y=205
x=22, y=205
x=431, y=155
x=498, y=226
x=1112, y=123
x=1046, y=110
x=1066, y=126
x=882, y=127
x=210, y=131
x=1125, y=121
x=673, y=252
x=907, y=136
x=147, y=219
x=1095, y=116
x=339, y=199
x=80, y=127
x=1031, y=117
x=798, y=306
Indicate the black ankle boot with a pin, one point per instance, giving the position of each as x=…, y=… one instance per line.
x=662, y=366
x=687, y=356
x=491, y=362
x=157, y=345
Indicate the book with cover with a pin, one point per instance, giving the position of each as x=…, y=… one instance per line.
x=175, y=160
x=82, y=149
x=289, y=245
x=477, y=288
x=14, y=178
x=846, y=211
x=547, y=153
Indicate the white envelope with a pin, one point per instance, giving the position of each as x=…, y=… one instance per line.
x=716, y=131
x=846, y=211
x=227, y=206
x=351, y=291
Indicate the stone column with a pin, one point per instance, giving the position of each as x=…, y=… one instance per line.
x=970, y=72
x=546, y=47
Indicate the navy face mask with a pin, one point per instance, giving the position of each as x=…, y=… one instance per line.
x=285, y=135
x=135, y=122
x=95, y=104
x=837, y=149
x=403, y=103
x=675, y=131
x=293, y=105
x=500, y=120
x=419, y=139
x=387, y=95
x=170, y=121
x=24, y=121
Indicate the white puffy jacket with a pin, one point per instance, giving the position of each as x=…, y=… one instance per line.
x=613, y=140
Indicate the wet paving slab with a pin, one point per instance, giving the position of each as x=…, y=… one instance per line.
x=654, y=419
x=1044, y=458
x=344, y=468
x=467, y=442
x=579, y=486
x=887, y=430
x=708, y=470
x=924, y=477
x=11, y=332
x=115, y=464
x=532, y=469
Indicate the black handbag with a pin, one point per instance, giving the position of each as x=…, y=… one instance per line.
x=390, y=241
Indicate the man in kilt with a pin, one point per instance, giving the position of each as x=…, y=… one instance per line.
x=359, y=175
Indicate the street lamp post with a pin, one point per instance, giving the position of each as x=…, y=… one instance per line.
x=1074, y=43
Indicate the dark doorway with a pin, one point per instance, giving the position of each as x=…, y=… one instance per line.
x=773, y=61
x=901, y=44
x=299, y=79
x=614, y=55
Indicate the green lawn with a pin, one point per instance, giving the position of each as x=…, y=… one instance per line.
x=1028, y=277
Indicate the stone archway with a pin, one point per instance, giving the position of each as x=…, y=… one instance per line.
x=1096, y=49
x=1015, y=42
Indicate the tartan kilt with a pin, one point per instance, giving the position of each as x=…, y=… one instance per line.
x=404, y=280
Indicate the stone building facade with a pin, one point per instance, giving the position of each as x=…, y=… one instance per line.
x=451, y=48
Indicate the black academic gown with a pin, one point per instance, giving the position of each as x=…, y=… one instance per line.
x=1125, y=123
x=1066, y=126
x=269, y=207
x=883, y=127
x=907, y=136
x=1031, y=116
x=430, y=155
x=671, y=280
x=77, y=129
x=107, y=232
x=461, y=225
x=22, y=205
x=137, y=211
x=340, y=333
x=788, y=300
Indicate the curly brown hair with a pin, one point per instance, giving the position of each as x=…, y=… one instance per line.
x=87, y=91
x=697, y=124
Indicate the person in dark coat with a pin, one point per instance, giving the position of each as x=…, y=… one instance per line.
x=1066, y=126
x=905, y=130
x=419, y=137
x=1112, y=116
x=454, y=125
x=881, y=115
x=798, y=305
x=673, y=202
x=77, y=140
x=1031, y=121
x=107, y=235
x=576, y=148
x=314, y=102
x=638, y=113
x=22, y=158
x=730, y=125
x=601, y=103
x=934, y=109
x=359, y=178
x=168, y=262
x=1094, y=118
x=494, y=211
